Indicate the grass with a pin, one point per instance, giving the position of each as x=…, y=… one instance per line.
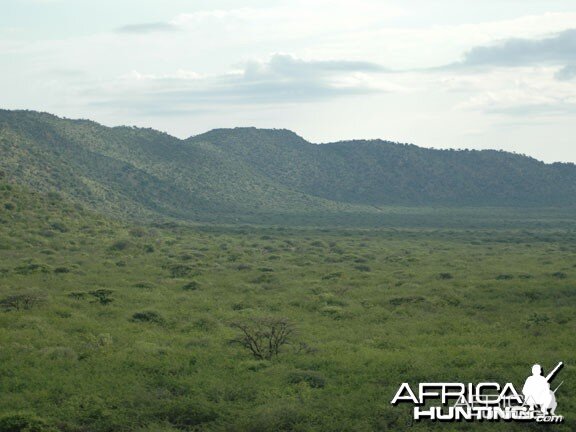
x=131, y=327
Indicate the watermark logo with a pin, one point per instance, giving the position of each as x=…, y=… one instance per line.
x=485, y=401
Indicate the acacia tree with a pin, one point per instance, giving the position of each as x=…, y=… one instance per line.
x=23, y=301
x=264, y=337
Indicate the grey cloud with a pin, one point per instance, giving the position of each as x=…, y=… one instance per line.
x=566, y=73
x=557, y=49
x=288, y=66
x=283, y=79
x=144, y=28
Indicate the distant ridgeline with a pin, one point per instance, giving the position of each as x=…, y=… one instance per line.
x=226, y=174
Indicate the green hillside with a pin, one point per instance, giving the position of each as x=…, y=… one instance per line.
x=138, y=172
x=254, y=175
x=385, y=173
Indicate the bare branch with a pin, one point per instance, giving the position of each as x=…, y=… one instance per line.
x=264, y=337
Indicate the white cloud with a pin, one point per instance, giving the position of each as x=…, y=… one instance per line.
x=145, y=28
x=305, y=16
x=180, y=74
x=516, y=91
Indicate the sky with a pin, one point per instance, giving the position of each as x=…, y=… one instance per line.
x=445, y=74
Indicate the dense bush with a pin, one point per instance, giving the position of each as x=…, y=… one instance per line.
x=120, y=245
x=312, y=378
x=283, y=417
x=181, y=270
x=147, y=316
x=22, y=301
x=102, y=296
x=191, y=286
x=186, y=413
x=23, y=422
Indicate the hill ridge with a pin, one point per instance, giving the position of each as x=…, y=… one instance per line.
x=246, y=172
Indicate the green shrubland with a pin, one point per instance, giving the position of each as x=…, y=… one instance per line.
x=141, y=331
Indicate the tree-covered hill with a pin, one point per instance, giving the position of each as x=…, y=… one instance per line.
x=380, y=172
x=247, y=173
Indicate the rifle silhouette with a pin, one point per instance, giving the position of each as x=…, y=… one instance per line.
x=554, y=391
x=550, y=376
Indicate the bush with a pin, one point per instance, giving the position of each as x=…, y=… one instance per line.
x=538, y=319
x=61, y=270
x=406, y=300
x=144, y=285
x=264, y=278
x=363, y=268
x=54, y=197
x=187, y=414
x=31, y=268
x=330, y=276
x=445, y=276
x=266, y=269
x=23, y=422
x=312, y=378
x=147, y=316
x=206, y=324
x=21, y=301
x=180, y=271
x=264, y=337
x=59, y=226
x=280, y=418
x=334, y=312
x=59, y=353
x=77, y=295
x=102, y=295
x=191, y=286
x=120, y=245
x=138, y=232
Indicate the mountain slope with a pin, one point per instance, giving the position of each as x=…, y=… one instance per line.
x=139, y=172
x=246, y=173
x=382, y=173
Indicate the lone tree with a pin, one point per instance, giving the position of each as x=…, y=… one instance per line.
x=264, y=336
x=23, y=301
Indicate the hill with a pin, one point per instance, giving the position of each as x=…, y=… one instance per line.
x=248, y=174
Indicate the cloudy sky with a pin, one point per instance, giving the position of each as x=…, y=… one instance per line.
x=445, y=73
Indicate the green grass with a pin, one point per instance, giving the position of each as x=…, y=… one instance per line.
x=155, y=350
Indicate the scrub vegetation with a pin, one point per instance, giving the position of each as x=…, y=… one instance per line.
x=268, y=176
x=112, y=326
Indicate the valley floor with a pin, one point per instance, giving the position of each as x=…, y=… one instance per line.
x=108, y=327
